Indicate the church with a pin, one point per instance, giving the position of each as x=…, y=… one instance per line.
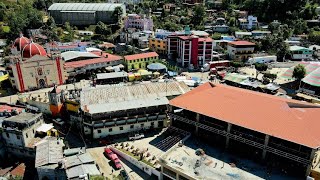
x=32, y=67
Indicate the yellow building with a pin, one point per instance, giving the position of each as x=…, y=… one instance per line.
x=140, y=61
x=158, y=45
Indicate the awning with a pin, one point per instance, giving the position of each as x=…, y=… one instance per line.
x=156, y=67
x=44, y=128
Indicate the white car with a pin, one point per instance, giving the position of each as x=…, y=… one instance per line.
x=59, y=121
x=136, y=136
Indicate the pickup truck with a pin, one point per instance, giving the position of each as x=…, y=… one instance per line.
x=136, y=136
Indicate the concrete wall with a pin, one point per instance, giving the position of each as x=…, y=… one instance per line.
x=44, y=107
x=103, y=132
x=144, y=167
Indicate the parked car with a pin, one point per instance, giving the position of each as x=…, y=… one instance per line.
x=124, y=175
x=108, y=153
x=136, y=136
x=116, y=161
x=59, y=121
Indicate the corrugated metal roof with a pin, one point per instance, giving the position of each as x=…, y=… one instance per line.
x=112, y=75
x=77, y=171
x=70, y=55
x=84, y=6
x=123, y=105
x=49, y=151
x=110, y=94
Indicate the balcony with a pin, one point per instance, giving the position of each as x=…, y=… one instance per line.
x=241, y=139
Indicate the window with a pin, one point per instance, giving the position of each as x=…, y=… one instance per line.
x=7, y=135
x=152, y=123
x=121, y=128
x=110, y=130
x=131, y=126
x=142, y=125
x=27, y=135
x=33, y=131
x=99, y=131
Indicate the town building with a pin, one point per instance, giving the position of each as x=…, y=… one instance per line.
x=220, y=28
x=169, y=7
x=240, y=50
x=84, y=14
x=112, y=110
x=300, y=53
x=136, y=21
x=286, y=133
x=191, y=49
x=158, y=45
x=140, y=61
x=79, y=164
x=49, y=160
x=260, y=34
x=19, y=133
x=68, y=46
x=32, y=68
x=249, y=23
x=80, y=65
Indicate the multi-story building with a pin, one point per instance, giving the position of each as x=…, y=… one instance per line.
x=277, y=130
x=251, y=22
x=138, y=22
x=158, y=45
x=97, y=61
x=240, y=50
x=194, y=50
x=112, y=110
x=32, y=68
x=190, y=48
x=140, y=61
x=19, y=133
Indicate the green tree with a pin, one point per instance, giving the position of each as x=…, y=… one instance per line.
x=117, y=13
x=216, y=36
x=3, y=9
x=299, y=26
x=198, y=16
x=102, y=29
x=314, y=36
x=299, y=72
x=260, y=67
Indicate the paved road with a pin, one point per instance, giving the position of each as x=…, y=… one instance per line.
x=104, y=163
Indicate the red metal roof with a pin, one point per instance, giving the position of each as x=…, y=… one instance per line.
x=19, y=170
x=140, y=56
x=102, y=59
x=8, y=108
x=287, y=119
x=242, y=43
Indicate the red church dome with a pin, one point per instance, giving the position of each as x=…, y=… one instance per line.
x=21, y=42
x=32, y=49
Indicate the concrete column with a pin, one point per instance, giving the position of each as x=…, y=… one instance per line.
x=197, y=120
x=227, y=138
x=264, y=151
x=308, y=170
x=177, y=176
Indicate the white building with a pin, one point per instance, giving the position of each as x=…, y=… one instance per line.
x=49, y=159
x=240, y=50
x=251, y=22
x=19, y=133
x=300, y=53
x=111, y=110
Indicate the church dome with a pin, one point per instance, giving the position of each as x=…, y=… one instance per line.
x=33, y=49
x=21, y=42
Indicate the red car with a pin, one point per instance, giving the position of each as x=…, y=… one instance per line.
x=117, y=163
x=108, y=153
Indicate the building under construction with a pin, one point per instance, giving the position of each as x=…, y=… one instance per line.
x=281, y=132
